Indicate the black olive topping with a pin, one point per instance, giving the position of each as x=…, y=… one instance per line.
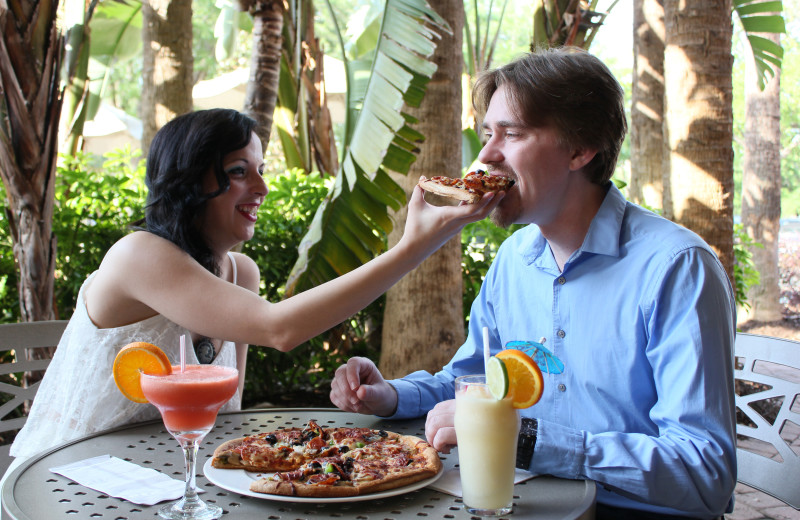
x=271, y=439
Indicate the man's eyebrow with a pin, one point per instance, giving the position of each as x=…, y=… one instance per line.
x=503, y=124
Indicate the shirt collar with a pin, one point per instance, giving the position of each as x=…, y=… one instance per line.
x=602, y=237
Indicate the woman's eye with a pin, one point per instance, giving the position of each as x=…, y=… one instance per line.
x=236, y=172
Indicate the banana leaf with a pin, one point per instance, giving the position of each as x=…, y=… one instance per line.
x=762, y=17
x=382, y=139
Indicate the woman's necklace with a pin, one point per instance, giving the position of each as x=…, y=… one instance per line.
x=204, y=350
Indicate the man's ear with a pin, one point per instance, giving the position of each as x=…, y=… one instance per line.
x=581, y=157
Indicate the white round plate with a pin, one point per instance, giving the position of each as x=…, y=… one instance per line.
x=238, y=481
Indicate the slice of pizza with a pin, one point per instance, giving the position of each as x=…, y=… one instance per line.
x=394, y=462
x=470, y=189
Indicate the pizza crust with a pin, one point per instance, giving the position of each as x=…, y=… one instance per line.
x=449, y=191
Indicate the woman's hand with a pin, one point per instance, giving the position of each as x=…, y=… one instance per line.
x=428, y=227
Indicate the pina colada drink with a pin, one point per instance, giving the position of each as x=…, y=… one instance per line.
x=487, y=430
x=189, y=400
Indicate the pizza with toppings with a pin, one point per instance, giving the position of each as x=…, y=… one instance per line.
x=470, y=189
x=329, y=462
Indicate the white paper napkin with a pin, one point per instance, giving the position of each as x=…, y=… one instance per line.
x=118, y=478
x=450, y=482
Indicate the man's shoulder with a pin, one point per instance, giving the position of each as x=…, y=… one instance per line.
x=644, y=227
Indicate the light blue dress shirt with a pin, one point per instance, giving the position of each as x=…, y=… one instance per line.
x=643, y=317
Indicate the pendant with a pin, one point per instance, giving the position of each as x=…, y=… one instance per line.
x=204, y=350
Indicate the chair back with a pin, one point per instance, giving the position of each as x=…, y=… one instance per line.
x=24, y=339
x=767, y=398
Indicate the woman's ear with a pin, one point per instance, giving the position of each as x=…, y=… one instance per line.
x=581, y=157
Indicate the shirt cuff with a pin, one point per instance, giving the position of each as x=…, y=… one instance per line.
x=559, y=451
x=408, y=400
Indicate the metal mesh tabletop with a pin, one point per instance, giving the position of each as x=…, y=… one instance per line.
x=33, y=492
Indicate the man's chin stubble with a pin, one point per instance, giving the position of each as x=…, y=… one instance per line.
x=500, y=218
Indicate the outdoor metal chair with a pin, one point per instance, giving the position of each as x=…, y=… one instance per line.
x=22, y=338
x=768, y=415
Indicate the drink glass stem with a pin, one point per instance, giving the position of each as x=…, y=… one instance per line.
x=190, y=500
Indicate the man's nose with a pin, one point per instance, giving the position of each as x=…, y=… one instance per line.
x=490, y=153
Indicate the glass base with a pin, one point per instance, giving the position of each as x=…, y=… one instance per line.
x=197, y=511
x=479, y=511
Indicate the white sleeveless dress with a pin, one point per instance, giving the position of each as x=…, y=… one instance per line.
x=78, y=396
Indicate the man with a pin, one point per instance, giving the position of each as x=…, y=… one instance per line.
x=639, y=309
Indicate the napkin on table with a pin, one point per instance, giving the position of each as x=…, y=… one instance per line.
x=450, y=482
x=121, y=479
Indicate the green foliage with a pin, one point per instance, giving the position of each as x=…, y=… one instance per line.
x=94, y=208
x=745, y=274
x=479, y=244
x=278, y=377
x=9, y=297
x=282, y=220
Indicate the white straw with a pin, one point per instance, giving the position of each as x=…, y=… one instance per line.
x=485, y=349
x=183, y=353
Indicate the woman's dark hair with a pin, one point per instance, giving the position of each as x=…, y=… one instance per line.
x=180, y=156
x=569, y=89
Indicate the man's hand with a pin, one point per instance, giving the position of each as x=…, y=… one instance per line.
x=440, y=427
x=358, y=386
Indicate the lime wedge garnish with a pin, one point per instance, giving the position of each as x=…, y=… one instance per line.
x=497, y=378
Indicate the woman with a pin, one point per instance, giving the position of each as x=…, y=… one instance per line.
x=179, y=277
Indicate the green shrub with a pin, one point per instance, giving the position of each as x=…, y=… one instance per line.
x=304, y=374
x=479, y=244
x=95, y=207
x=745, y=274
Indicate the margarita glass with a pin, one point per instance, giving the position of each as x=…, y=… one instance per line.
x=189, y=402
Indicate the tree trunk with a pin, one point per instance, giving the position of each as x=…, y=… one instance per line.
x=699, y=121
x=265, y=65
x=168, y=65
x=761, y=187
x=30, y=59
x=647, y=104
x=423, y=322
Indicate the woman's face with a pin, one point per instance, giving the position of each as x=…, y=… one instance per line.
x=230, y=218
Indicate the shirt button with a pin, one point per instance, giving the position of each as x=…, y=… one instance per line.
x=562, y=280
x=562, y=387
x=561, y=333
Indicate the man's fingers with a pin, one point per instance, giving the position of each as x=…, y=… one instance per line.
x=444, y=439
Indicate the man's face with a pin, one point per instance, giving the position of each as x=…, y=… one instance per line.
x=533, y=157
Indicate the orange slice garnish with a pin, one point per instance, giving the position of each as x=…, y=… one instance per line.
x=525, y=381
x=134, y=359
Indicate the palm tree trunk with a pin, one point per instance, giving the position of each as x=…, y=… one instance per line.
x=262, y=89
x=761, y=187
x=30, y=59
x=423, y=322
x=647, y=104
x=168, y=64
x=699, y=121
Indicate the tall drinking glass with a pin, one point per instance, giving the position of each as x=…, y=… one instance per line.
x=487, y=430
x=189, y=402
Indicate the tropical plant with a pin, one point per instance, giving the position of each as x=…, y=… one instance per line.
x=745, y=274
x=304, y=373
x=31, y=44
x=762, y=16
x=351, y=223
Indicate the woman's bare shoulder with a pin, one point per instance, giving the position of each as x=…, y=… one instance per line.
x=248, y=274
x=135, y=246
